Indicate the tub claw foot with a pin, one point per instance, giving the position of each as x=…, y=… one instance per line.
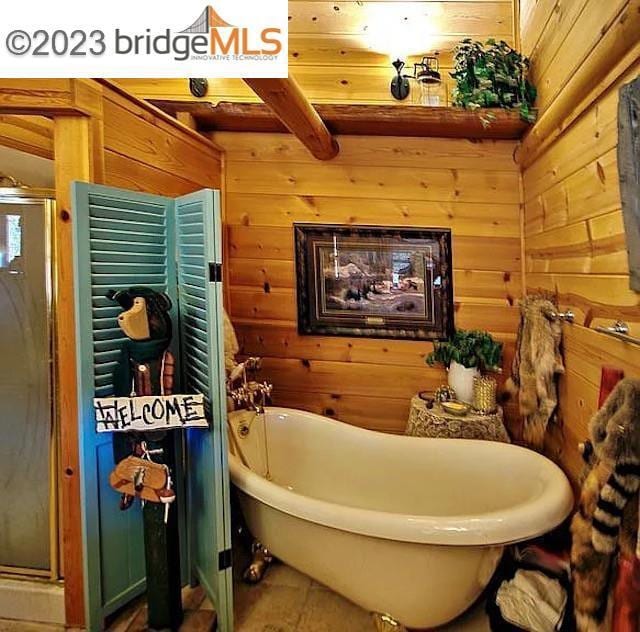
x=386, y=623
x=261, y=559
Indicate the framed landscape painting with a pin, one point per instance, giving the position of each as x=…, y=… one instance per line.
x=374, y=281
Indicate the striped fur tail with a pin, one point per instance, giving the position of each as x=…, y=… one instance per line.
x=621, y=486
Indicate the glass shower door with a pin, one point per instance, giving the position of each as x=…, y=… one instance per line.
x=26, y=420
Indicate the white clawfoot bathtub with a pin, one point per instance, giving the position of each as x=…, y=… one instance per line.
x=409, y=527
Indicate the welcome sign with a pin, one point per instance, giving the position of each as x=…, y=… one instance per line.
x=144, y=414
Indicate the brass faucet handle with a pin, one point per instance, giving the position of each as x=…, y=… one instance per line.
x=239, y=395
x=251, y=394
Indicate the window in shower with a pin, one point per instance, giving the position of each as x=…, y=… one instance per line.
x=26, y=420
x=14, y=237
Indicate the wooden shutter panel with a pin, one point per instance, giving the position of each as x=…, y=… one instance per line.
x=121, y=238
x=198, y=253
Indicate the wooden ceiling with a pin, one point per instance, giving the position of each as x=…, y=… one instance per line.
x=340, y=50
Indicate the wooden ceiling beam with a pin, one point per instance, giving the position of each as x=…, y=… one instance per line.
x=359, y=120
x=288, y=102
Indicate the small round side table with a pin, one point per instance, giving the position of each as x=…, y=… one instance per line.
x=438, y=424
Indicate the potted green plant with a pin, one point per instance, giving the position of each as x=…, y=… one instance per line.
x=465, y=355
x=492, y=75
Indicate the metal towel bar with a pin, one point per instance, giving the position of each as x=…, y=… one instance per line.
x=620, y=331
x=567, y=317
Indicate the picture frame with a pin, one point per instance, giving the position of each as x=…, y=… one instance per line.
x=374, y=281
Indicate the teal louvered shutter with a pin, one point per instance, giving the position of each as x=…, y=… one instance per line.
x=199, y=256
x=121, y=239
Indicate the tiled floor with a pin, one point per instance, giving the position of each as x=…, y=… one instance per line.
x=199, y=616
x=288, y=601
x=285, y=601
x=26, y=626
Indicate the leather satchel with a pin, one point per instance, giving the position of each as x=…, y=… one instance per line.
x=140, y=478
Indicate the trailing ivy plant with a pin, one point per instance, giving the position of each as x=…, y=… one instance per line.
x=492, y=75
x=471, y=348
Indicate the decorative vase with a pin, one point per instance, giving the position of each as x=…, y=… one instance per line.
x=484, y=395
x=460, y=378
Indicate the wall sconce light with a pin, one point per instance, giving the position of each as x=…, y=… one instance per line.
x=198, y=87
x=426, y=73
x=400, y=83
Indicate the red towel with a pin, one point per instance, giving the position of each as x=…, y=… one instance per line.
x=626, y=597
x=609, y=377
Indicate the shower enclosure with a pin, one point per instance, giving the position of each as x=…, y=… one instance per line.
x=28, y=446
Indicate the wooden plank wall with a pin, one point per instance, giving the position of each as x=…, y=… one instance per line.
x=574, y=236
x=142, y=151
x=272, y=181
x=340, y=50
x=146, y=152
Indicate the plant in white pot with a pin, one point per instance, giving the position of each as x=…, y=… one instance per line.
x=465, y=356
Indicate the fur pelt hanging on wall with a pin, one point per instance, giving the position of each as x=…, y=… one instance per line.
x=536, y=365
x=607, y=518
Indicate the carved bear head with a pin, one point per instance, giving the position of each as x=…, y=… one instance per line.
x=146, y=313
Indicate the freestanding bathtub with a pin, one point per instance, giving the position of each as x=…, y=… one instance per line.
x=409, y=527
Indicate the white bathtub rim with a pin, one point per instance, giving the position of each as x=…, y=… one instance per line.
x=520, y=522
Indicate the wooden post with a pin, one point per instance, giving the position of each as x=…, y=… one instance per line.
x=287, y=100
x=73, y=161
